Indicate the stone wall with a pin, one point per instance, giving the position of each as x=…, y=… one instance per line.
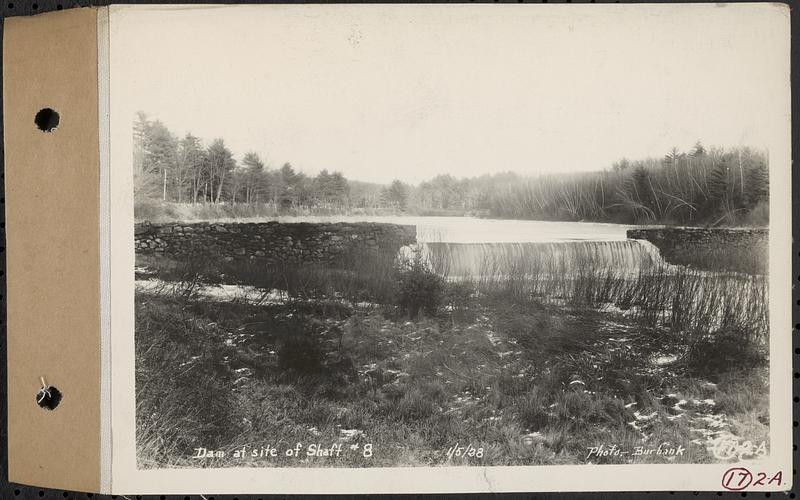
x=680, y=245
x=271, y=242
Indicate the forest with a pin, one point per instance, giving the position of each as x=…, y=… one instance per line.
x=706, y=186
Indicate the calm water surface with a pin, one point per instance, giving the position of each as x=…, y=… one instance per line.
x=474, y=230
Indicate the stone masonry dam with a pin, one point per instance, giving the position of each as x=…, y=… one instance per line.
x=271, y=242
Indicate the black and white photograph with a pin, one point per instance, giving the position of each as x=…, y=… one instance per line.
x=463, y=236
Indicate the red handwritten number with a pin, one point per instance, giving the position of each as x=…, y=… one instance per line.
x=760, y=481
x=737, y=479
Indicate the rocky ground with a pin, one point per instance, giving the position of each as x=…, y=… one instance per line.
x=232, y=368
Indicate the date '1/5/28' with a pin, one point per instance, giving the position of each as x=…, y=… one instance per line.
x=739, y=478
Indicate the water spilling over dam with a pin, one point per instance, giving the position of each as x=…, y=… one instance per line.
x=571, y=257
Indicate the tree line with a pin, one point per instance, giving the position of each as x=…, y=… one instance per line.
x=184, y=170
x=700, y=186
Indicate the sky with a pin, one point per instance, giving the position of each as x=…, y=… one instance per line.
x=380, y=92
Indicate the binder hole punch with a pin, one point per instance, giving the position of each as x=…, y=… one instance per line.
x=47, y=120
x=48, y=396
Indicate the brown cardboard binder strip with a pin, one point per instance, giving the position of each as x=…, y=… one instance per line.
x=53, y=248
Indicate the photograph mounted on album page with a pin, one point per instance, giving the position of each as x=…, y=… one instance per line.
x=400, y=248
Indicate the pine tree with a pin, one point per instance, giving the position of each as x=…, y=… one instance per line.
x=643, y=190
x=718, y=182
x=252, y=176
x=757, y=185
x=220, y=164
x=396, y=195
x=698, y=150
x=190, y=167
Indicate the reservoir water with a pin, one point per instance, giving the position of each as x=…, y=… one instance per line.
x=475, y=230
x=469, y=245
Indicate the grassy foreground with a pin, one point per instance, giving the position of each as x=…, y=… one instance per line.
x=490, y=367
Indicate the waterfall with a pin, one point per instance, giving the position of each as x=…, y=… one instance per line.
x=570, y=257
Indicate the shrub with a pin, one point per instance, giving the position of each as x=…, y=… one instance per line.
x=419, y=288
x=300, y=350
x=148, y=209
x=188, y=276
x=358, y=277
x=723, y=352
x=758, y=216
x=750, y=260
x=459, y=297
